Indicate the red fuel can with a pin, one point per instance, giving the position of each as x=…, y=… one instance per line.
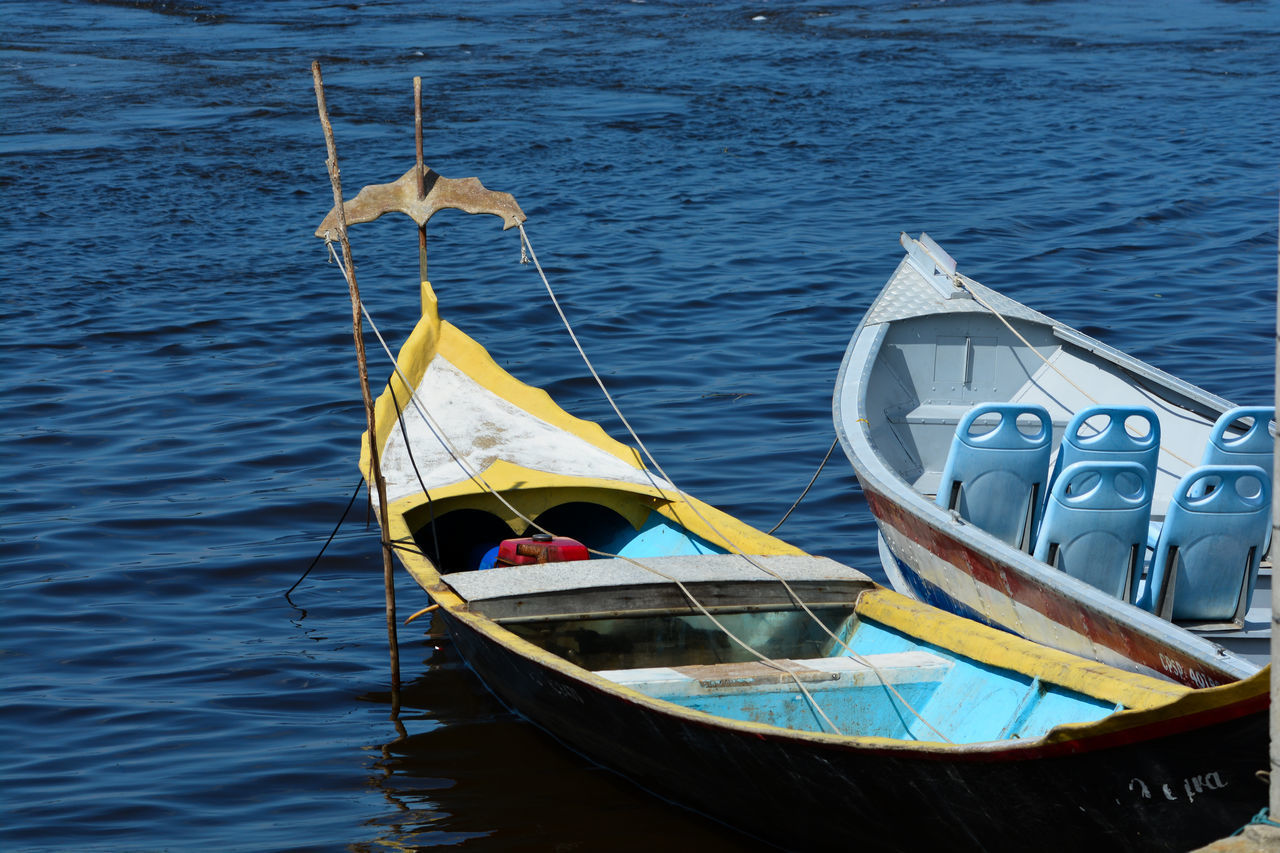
x=540, y=548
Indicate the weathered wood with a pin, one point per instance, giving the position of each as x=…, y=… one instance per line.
x=596, y=587
x=422, y=187
x=700, y=568
x=401, y=195
x=340, y=225
x=660, y=597
x=894, y=668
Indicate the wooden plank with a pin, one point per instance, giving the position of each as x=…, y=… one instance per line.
x=616, y=573
x=660, y=596
x=762, y=677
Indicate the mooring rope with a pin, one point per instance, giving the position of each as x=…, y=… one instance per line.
x=686, y=498
x=821, y=465
x=962, y=282
x=332, y=534
x=476, y=477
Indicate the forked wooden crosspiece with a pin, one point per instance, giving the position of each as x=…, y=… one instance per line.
x=466, y=194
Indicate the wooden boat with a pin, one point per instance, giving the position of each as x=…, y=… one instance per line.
x=935, y=344
x=784, y=694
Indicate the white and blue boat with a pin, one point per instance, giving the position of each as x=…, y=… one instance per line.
x=1030, y=477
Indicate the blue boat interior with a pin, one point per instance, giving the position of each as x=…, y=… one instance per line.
x=889, y=685
x=859, y=676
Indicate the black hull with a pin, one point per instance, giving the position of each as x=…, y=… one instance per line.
x=1150, y=792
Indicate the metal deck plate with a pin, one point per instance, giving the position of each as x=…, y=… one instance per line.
x=908, y=294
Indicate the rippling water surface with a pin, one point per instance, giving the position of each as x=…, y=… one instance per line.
x=716, y=191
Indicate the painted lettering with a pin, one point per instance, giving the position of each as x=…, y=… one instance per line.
x=1199, y=678
x=1171, y=666
x=1180, y=672
x=1192, y=787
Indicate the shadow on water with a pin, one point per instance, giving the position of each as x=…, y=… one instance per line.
x=463, y=756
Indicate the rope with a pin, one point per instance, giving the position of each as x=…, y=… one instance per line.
x=341, y=519
x=821, y=465
x=685, y=498
x=962, y=281
x=1263, y=818
x=431, y=506
x=476, y=477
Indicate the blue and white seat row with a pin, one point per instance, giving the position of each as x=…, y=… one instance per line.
x=1090, y=516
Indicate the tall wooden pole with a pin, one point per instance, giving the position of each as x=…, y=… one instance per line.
x=388, y=575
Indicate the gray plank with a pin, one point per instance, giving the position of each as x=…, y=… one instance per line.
x=536, y=579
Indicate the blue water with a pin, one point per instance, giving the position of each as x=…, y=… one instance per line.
x=716, y=191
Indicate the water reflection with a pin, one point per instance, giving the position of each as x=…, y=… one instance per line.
x=462, y=759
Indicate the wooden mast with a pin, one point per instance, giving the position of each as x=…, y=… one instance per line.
x=422, y=185
x=388, y=574
x=419, y=193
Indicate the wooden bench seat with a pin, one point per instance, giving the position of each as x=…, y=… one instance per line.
x=759, y=677
x=620, y=586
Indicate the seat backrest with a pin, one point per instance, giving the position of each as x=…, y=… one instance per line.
x=1206, y=559
x=995, y=472
x=1251, y=445
x=1095, y=524
x=1110, y=434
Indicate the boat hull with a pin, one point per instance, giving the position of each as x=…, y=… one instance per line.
x=937, y=567
x=896, y=408
x=1173, y=784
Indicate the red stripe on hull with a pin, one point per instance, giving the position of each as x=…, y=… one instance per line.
x=1074, y=615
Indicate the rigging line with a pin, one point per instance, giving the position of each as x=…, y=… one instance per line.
x=341, y=519
x=821, y=465
x=413, y=397
x=408, y=448
x=524, y=238
x=964, y=282
x=433, y=426
x=479, y=480
x=688, y=502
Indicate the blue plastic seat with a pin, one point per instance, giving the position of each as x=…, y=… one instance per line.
x=1095, y=524
x=1102, y=434
x=995, y=479
x=1206, y=560
x=1253, y=446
